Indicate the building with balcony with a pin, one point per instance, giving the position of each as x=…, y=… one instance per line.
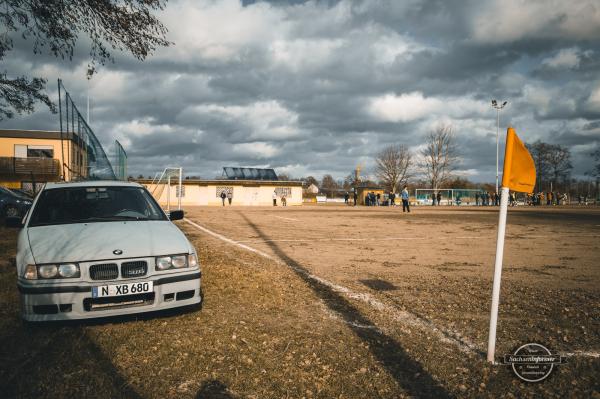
x=29, y=157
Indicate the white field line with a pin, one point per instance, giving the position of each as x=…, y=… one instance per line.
x=291, y=219
x=404, y=317
x=318, y=239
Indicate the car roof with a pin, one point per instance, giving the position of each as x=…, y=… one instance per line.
x=91, y=183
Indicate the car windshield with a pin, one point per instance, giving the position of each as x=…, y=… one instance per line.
x=94, y=204
x=8, y=192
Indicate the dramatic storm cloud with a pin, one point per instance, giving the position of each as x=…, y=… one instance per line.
x=319, y=86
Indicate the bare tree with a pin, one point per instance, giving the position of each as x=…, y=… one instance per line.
x=439, y=156
x=559, y=163
x=393, y=166
x=329, y=185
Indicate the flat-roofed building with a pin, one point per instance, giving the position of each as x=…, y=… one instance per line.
x=38, y=156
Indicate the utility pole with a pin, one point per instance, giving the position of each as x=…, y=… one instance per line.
x=498, y=107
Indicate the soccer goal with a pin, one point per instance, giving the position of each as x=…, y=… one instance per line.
x=166, y=179
x=454, y=196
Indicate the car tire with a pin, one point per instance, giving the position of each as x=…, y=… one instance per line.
x=11, y=212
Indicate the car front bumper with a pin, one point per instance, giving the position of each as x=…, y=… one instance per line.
x=69, y=301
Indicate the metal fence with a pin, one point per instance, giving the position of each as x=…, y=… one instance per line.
x=86, y=160
x=120, y=161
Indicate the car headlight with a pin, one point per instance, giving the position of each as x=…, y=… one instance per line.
x=163, y=263
x=179, y=261
x=68, y=270
x=192, y=260
x=64, y=270
x=30, y=272
x=48, y=271
x=173, y=262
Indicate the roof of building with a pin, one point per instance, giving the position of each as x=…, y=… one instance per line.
x=236, y=173
x=91, y=183
x=36, y=134
x=227, y=182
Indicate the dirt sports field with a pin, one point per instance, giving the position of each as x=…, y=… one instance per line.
x=336, y=302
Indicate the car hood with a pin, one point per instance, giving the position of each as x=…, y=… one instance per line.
x=96, y=241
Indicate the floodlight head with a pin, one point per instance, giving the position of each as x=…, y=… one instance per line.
x=504, y=103
x=494, y=103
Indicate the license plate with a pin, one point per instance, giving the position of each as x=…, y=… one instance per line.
x=121, y=289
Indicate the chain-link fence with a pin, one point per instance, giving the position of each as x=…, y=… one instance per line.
x=120, y=161
x=85, y=159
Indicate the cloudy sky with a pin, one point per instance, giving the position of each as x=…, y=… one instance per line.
x=315, y=87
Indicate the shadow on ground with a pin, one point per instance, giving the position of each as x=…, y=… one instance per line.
x=408, y=373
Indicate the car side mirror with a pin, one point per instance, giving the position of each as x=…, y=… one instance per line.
x=176, y=215
x=13, y=222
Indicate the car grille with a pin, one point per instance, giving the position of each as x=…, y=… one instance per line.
x=134, y=269
x=104, y=271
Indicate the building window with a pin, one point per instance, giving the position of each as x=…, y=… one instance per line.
x=34, y=151
x=221, y=189
x=40, y=151
x=283, y=191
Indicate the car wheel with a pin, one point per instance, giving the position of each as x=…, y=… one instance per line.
x=11, y=212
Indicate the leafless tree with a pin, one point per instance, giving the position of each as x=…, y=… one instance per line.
x=393, y=166
x=329, y=185
x=552, y=163
x=559, y=162
x=439, y=157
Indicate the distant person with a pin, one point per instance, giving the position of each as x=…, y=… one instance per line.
x=346, y=198
x=579, y=199
x=511, y=199
x=378, y=199
x=405, y=203
x=283, y=200
x=229, y=197
x=497, y=199
x=439, y=198
x=476, y=199
x=355, y=197
x=223, y=196
x=392, y=199
x=433, y=199
x=274, y=196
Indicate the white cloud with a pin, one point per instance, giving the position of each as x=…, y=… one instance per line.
x=265, y=120
x=509, y=20
x=413, y=106
x=565, y=59
x=303, y=54
x=257, y=150
x=593, y=101
x=219, y=30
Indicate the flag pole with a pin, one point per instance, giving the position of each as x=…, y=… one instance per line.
x=497, y=275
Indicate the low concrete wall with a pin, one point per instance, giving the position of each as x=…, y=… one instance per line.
x=244, y=192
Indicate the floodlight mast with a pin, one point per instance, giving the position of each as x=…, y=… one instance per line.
x=498, y=107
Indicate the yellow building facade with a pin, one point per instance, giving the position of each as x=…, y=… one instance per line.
x=38, y=156
x=243, y=192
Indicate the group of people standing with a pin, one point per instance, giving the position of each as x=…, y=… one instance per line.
x=226, y=194
x=375, y=199
x=549, y=198
x=283, y=199
x=487, y=199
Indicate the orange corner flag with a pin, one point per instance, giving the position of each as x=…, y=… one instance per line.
x=519, y=168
